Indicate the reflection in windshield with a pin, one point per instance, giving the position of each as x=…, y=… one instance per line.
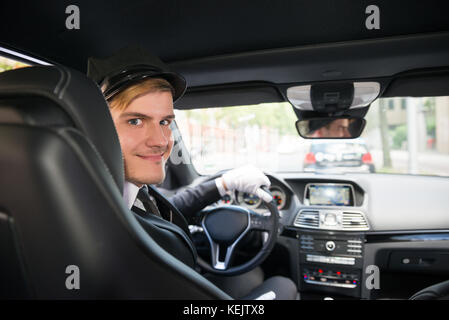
x=402, y=135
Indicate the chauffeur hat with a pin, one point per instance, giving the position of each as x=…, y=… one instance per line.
x=129, y=66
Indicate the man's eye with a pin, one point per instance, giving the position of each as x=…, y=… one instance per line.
x=135, y=122
x=165, y=122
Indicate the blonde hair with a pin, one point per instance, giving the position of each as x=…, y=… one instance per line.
x=124, y=98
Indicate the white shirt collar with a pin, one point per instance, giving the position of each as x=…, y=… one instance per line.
x=130, y=191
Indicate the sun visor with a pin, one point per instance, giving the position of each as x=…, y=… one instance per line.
x=422, y=83
x=229, y=95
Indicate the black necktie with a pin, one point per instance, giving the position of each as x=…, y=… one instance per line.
x=147, y=201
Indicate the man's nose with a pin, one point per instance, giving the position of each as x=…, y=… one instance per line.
x=156, y=136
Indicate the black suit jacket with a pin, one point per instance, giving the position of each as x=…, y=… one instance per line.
x=193, y=199
x=183, y=204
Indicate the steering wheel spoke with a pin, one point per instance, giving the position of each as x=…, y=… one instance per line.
x=216, y=249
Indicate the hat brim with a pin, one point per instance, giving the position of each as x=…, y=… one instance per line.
x=119, y=82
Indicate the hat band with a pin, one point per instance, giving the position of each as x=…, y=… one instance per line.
x=119, y=82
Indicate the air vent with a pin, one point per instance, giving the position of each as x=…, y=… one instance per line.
x=354, y=221
x=329, y=219
x=308, y=219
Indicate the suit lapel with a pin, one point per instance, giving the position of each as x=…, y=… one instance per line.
x=161, y=223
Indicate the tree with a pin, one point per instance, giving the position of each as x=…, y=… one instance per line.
x=384, y=133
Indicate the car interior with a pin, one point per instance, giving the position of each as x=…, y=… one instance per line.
x=362, y=216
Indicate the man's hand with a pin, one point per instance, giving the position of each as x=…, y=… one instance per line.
x=247, y=179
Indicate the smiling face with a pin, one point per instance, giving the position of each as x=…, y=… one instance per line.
x=145, y=136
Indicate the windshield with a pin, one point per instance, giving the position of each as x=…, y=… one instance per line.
x=402, y=135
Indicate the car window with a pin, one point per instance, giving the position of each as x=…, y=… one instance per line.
x=9, y=64
x=413, y=139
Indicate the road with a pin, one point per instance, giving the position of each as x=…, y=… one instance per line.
x=428, y=163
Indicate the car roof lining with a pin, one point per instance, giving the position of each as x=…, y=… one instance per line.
x=260, y=48
x=325, y=62
x=179, y=31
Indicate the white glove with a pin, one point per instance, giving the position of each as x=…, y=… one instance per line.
x=247, y=179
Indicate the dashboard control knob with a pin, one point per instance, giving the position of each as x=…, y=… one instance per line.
x=330, y=246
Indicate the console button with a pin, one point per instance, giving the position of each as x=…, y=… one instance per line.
x=330, y=246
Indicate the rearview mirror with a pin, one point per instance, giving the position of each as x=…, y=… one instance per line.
x=331, y=128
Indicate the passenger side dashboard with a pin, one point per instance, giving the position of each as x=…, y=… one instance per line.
x=392, y=232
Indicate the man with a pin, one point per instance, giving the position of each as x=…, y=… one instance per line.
x=140, y=92
x=338, y=128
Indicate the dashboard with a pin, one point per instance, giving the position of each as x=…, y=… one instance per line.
x=281, y=195
x=335, y=226
x=389, y=203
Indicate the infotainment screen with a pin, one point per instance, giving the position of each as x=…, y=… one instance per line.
x=332, y=195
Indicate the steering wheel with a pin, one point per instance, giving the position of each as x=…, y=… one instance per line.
x=225, y=226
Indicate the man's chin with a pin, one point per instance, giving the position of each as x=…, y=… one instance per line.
x=153, y=179
x=149, y=173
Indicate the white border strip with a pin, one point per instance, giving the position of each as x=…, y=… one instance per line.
x=22, y=56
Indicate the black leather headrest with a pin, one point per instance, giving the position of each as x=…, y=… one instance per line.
x=43, y=90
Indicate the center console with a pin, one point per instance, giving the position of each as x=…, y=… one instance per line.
x=331, y=263
x=330, y=231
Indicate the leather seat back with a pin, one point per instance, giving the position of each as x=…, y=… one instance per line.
x=61, y=201
x=439, y=291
